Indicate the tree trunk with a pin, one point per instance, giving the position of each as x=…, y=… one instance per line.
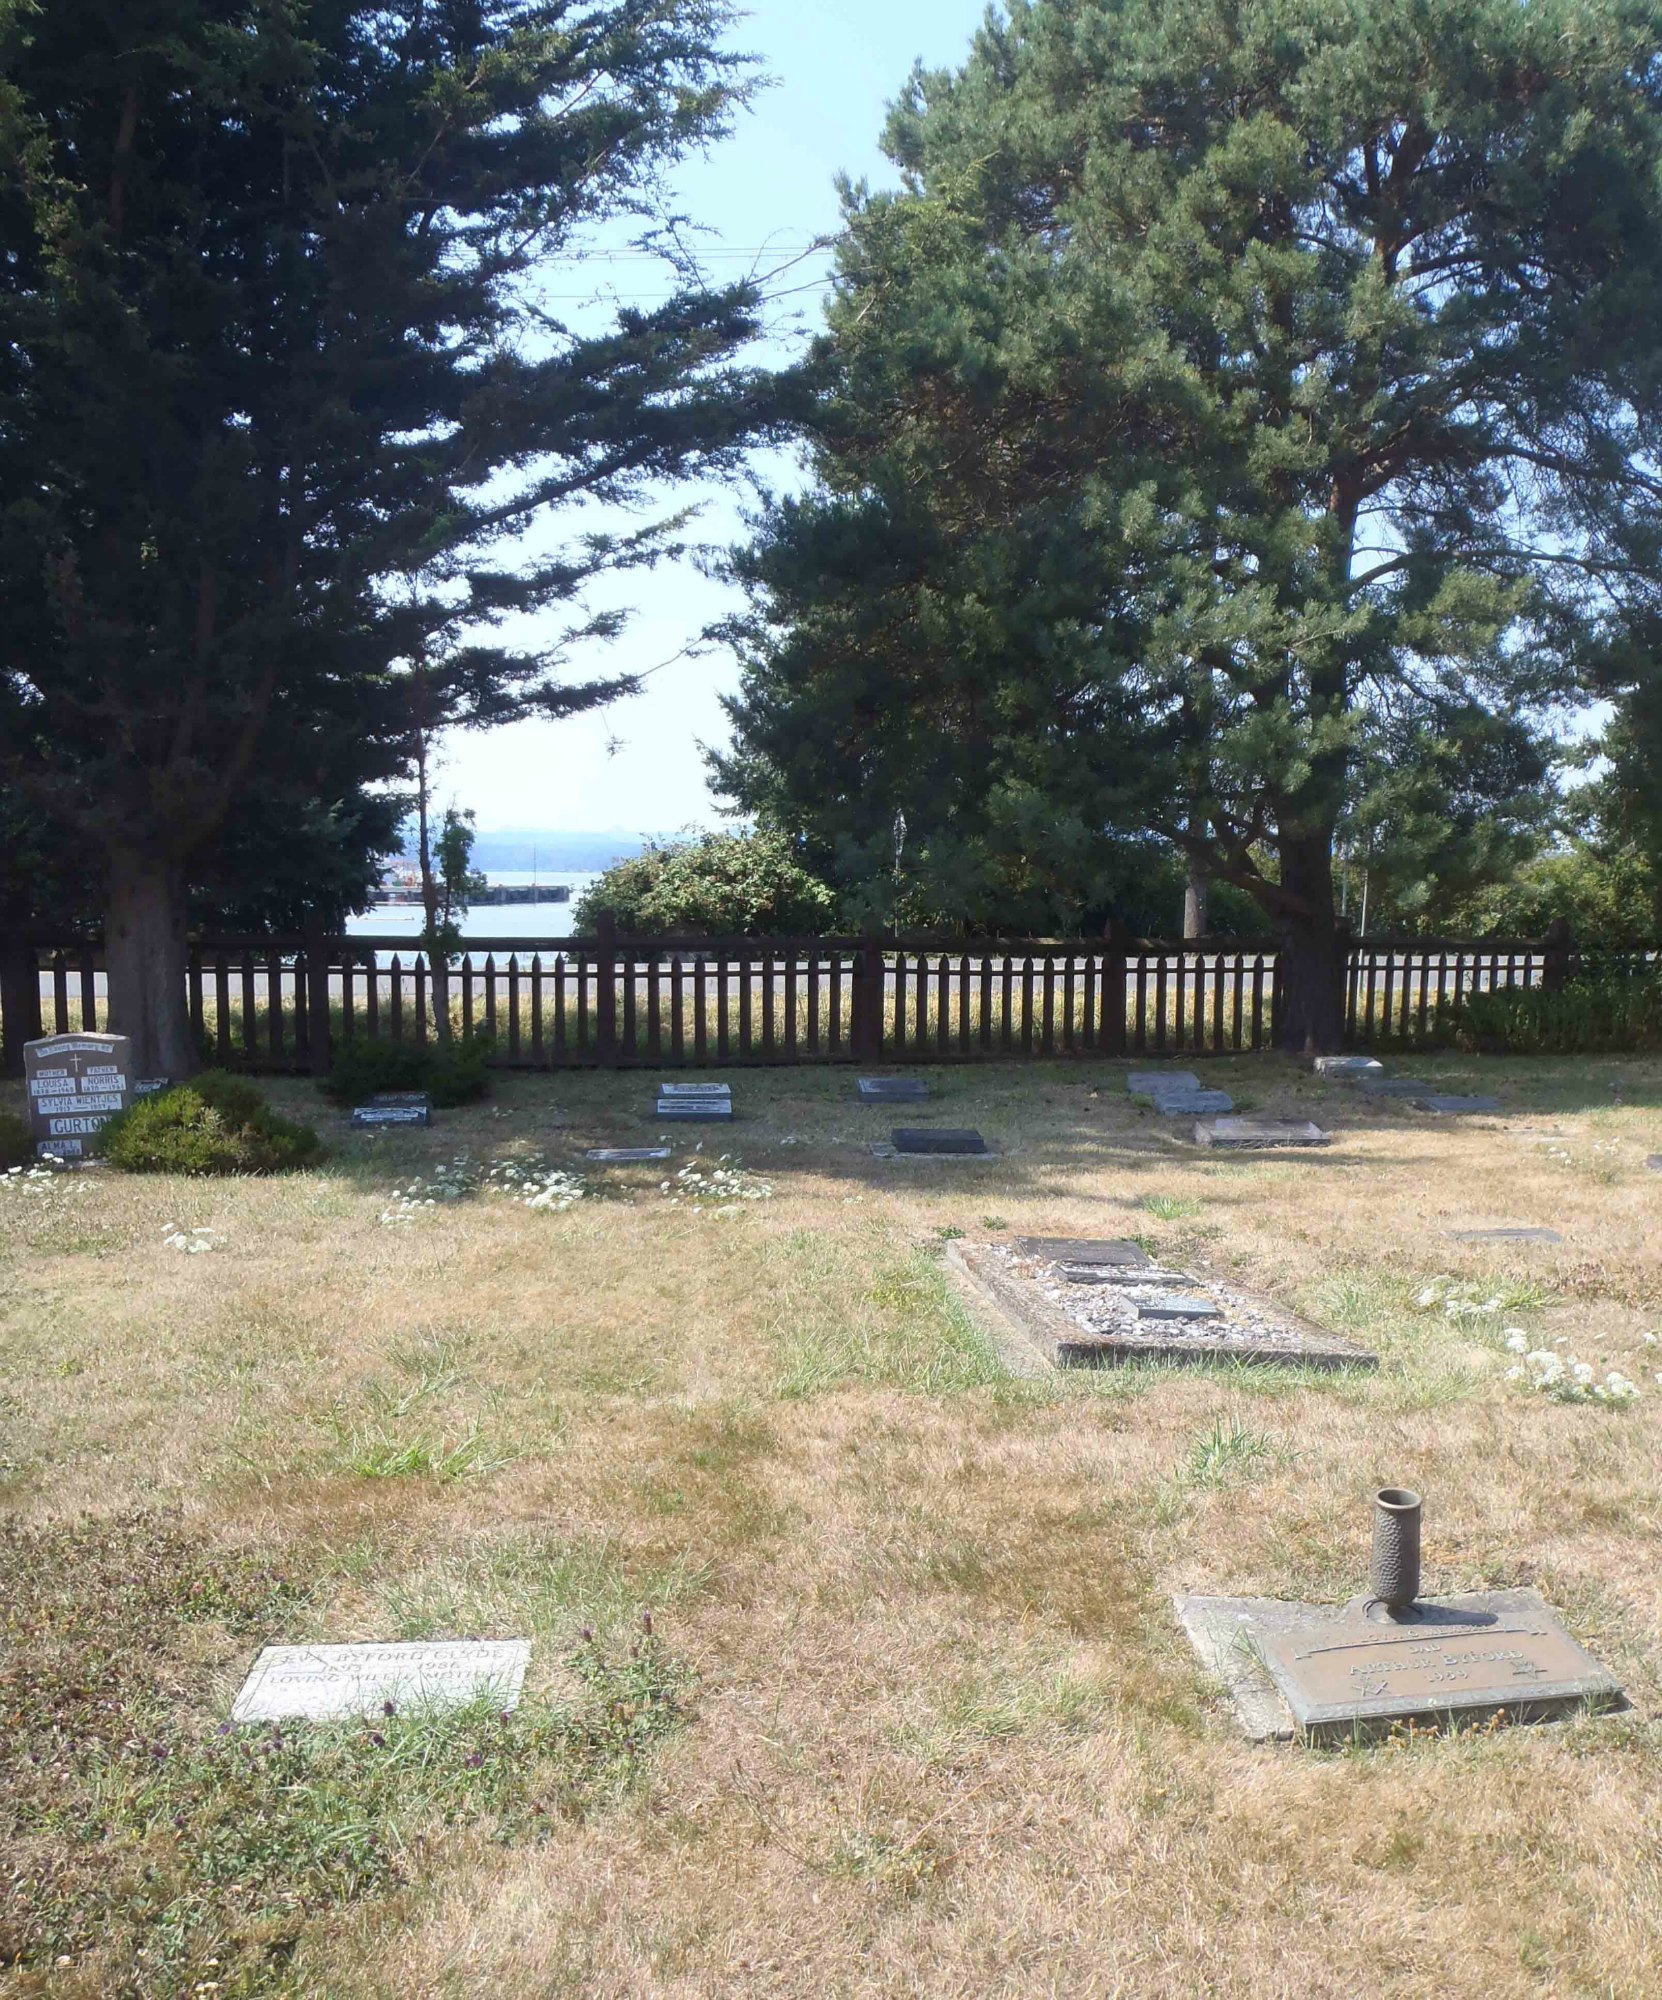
x=1197, y=902
x=145, y=950
x=19, y=1000
x=1314, y=955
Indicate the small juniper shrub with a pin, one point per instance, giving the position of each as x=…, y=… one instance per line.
x=154, y=1848
x=364, y=1067
x=215, y=1124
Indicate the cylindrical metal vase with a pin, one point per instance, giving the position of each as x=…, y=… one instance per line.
x=1394, y=1579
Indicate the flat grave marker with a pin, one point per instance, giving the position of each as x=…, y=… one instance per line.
x=1252, y=1133
x=395, y=1107
x=1179, y=1305
x=76, y=1084
x=1654, y=1162
x=695, y=1090
x=1510, y=1235
x=1150, y=1082
x=892, y=1089
x=1340, y=1673
x=1348, y=1066
x=322, y=1683
x=695, y=1107
x=1446, y=1106
x=618, y=1155
x=1101, y=1250
x=937, y=1139
x=1192, y=1103
x=1396, y=1086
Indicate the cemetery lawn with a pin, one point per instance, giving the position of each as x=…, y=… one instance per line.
x=914, y=1715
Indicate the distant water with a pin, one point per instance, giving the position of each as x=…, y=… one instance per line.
x=507, y=920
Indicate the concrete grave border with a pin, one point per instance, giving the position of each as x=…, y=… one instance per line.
x=1062, y=1344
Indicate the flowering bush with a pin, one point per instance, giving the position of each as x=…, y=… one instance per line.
x=1563, y=1378
x=48, y=1177
x=532, y=1183
x=193, y=1241
x=721, y=1184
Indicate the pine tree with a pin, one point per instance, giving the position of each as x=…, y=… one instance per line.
x=279, y=393
x=1242, y=406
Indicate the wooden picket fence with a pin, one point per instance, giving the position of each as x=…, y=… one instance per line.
x=279, y=1003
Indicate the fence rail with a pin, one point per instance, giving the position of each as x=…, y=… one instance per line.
x=279, y=1003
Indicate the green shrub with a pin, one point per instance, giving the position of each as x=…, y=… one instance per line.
x=1586, y=1017
x=215, y=1124
x=363, y=1068
x=17, y=1146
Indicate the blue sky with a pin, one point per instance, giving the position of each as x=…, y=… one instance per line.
x=765, y=193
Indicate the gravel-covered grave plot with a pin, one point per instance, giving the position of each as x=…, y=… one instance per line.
x=1082, y=1312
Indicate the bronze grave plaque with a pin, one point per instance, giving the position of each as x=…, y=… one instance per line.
x=1464, y=1658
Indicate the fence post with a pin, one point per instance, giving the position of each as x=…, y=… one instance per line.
x=605, y=987
x=1560, y=951
x=318, y=1052
x=19, y=1002
x=1113, y=1040
x=866, y=998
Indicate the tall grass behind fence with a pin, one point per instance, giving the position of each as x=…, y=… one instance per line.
x=277, y=1003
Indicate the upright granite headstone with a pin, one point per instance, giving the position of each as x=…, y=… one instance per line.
x=76, y=1084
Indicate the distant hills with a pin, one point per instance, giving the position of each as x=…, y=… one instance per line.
x=545, y=848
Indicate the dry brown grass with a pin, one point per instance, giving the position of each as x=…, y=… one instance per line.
x=945, y=1738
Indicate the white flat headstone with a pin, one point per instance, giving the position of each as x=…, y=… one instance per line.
x=695, y=1090
x=1348, y=1066
x=1243, y=1132
x=892, y=1089
x=620, y=1154
x=695, y=1107
x=321, y=1683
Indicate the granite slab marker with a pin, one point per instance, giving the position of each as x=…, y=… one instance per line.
x=1192, y=1103
x=1348, y=1066
x=1396, y=1086
x=892, y=1089
x=937, y=1139
x=1117, y=1251
x=1150, y=1082
x=618, y=1155
x=1445, y=1106
x=321, y=1683
x=1339, y=1673
x=1179, y=1305
x=1517, y=1235
x=395, y=1107
x=1249, y=1133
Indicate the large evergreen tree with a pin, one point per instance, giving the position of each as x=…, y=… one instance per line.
x=1242, y=406
x=279, y=393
